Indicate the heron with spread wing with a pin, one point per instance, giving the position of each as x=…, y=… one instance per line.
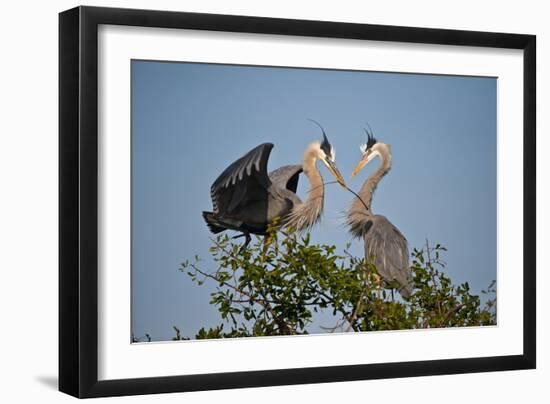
x=384, y=243
x=247, y=199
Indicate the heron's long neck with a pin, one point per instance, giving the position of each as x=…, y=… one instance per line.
x=305, y=215
x=316, y=194
x=358, y=214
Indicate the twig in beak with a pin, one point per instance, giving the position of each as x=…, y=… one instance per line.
x=358, y=197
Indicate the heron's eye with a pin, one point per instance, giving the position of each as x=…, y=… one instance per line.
x=363, y=148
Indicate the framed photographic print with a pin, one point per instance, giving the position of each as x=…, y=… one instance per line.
x=250, y=201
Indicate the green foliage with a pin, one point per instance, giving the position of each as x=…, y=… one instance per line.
x=275, y=286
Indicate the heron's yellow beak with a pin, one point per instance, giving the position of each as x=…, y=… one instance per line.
x=366, y=158
x=334, y=171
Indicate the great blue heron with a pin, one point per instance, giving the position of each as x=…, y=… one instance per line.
x=246, y=199
x=384, y=243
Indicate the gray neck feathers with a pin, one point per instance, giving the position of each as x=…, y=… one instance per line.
x=305, y=215
x=358, y=214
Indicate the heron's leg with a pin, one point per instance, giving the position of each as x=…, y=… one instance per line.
x=247, y=241
x=243, y=234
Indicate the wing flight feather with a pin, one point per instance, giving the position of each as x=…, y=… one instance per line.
x=245, y=179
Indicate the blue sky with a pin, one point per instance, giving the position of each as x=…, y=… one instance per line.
x=189, y=121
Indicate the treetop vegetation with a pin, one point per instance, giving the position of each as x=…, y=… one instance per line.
x=277, y=285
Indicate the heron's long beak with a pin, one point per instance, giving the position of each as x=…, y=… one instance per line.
x=334, y=171
x=366, y=158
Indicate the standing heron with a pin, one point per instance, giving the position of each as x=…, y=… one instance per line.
x=384, y=243
x=246, y=199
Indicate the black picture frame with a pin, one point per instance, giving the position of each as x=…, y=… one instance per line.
x=78, y=200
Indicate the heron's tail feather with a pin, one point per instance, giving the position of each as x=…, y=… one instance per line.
x=212, y=223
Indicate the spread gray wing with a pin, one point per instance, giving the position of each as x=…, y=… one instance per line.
x=244, y=180
x=385, y=244
x=286, y=177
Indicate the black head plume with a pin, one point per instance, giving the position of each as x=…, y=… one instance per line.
x=371, y=140
x=325, y=144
